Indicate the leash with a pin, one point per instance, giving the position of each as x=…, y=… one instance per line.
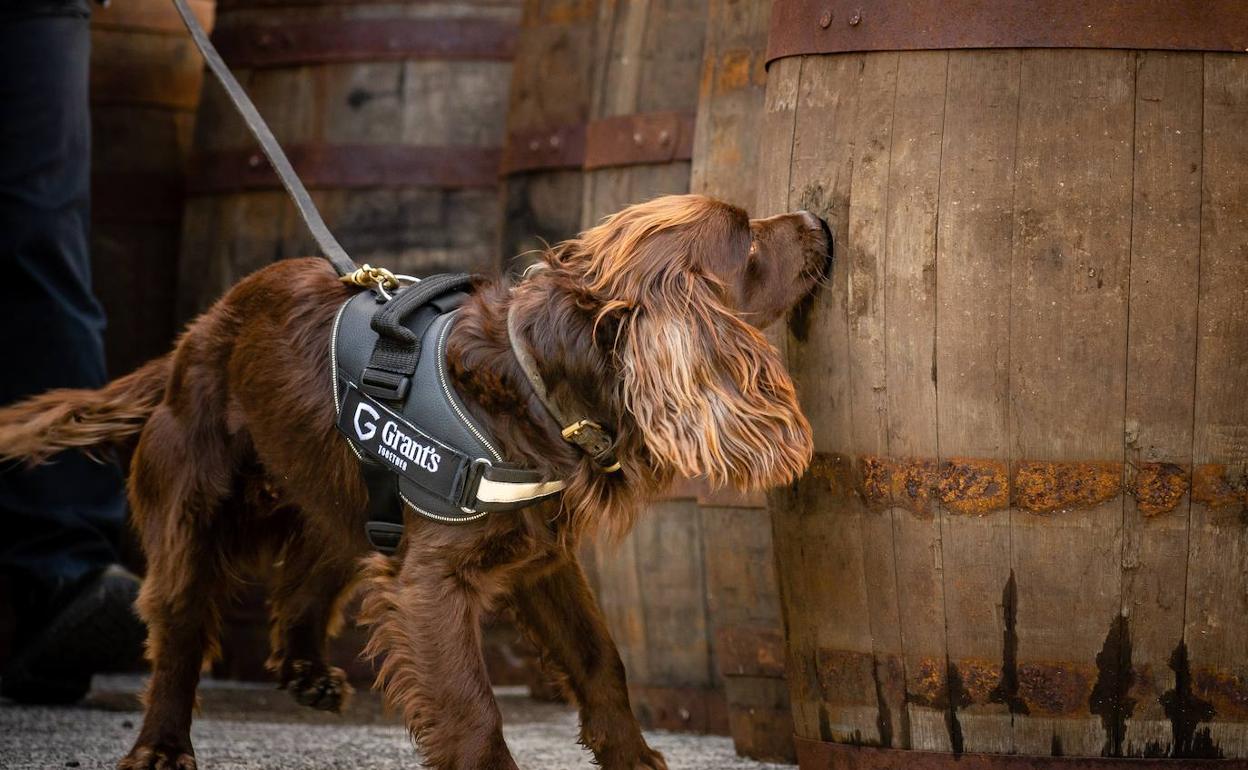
x=331, y=249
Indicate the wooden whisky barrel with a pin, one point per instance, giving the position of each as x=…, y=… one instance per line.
x=1023, y=538
x=546, y=118
x=392, y=113
x=741, y=582
x=638, y=145
x=145, y=83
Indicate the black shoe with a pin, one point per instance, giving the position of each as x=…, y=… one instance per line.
x=96, y=629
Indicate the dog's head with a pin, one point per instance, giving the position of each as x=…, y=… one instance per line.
x=680, y=287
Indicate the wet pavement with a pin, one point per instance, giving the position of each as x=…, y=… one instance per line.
x=245, y=726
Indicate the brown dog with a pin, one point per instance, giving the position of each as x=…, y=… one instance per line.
x=649, y=322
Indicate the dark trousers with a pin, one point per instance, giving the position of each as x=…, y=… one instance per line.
x=61, y=521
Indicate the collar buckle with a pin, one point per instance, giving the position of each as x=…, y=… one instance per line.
x=573, y=432
x=595, y=441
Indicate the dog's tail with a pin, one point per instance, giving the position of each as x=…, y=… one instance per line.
x=96, y=421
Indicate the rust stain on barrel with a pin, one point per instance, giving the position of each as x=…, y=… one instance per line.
x=835, y=470
x=734, y=71
x=974, y=486
x=847, y=676
x=1046, y=487
x=980, y=678
x=1055, y=689
x=1211, y=486
x=912, y=484
x=905, y=483
x=1227, y=692
x=877, y=483
x=1159, y=487
x=927, y=683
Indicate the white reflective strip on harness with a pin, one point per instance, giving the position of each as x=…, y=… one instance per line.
x=514, y=491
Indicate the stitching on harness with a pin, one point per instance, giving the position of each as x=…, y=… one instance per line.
x=333, y=371
x=451, y=398
x=435, y=516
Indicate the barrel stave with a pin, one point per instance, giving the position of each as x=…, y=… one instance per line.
x=551, y=89
x=1216, y=628
x=972, y=328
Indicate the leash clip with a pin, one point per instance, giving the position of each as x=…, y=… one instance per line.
x=370, y=277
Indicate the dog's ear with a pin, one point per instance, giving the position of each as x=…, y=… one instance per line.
x=707, y=391
x=710, y=394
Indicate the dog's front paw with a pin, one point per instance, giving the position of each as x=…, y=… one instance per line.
x=158, y=758
x=650, y=760
x=318, y=686
x=641, y=757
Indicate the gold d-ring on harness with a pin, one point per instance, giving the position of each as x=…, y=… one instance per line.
x=369, y=277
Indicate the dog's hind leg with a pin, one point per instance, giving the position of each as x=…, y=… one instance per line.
x=560, y=612
x=426, y=628
x=311, y=584
x=174, y=503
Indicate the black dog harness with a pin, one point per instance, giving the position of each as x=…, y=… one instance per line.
x=416, y=441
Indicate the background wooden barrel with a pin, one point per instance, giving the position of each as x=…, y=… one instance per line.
x=393, y=115
x=741, y=582
x=640, y=138
x=551, y=86
x=653, y=589
x=145, y=84
x=638, y=144
x=1026, y=528
x=744, y=609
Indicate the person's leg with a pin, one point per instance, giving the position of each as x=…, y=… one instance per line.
x=59, y=523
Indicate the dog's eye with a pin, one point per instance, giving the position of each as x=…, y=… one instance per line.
x=753, y=271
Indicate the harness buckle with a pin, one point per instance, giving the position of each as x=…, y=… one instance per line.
x=383, y=535
x=472, y=480
x=388, y=386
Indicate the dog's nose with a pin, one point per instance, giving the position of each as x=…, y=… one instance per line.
x=816, y=223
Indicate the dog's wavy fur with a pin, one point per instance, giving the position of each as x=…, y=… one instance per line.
x=647, y=322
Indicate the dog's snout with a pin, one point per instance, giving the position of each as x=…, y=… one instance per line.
x=820, y=225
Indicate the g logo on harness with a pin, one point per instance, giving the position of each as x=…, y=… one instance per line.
x=371, y=427
x=401, y=446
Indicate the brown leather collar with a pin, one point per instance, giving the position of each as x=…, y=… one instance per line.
x=589, y=436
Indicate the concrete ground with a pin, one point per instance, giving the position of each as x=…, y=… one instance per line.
x=256, y=727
